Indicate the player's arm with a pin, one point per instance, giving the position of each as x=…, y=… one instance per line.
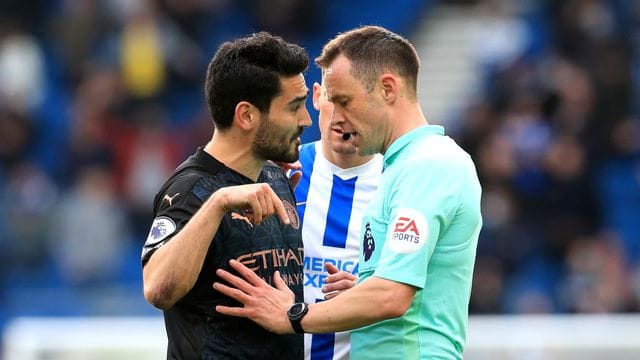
x=373, y=300
x=173, y=269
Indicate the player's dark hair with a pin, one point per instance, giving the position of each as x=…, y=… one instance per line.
x=373, y=50
x=249, y=69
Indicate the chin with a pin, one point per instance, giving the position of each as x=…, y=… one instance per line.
x=291, y=156
x=347, y=151
x=364, y=152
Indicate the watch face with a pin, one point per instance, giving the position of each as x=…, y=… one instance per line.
x=296, y=309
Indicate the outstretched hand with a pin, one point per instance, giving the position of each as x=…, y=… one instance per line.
x=263, y=303
x=337, y=282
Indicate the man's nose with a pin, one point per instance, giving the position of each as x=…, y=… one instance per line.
x=336, y=117
x=305, y=119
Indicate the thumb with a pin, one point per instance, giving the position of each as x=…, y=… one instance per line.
x=295, y=178
x=331, y=269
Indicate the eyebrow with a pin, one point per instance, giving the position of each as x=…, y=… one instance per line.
x=337, y=97
x=301, y=98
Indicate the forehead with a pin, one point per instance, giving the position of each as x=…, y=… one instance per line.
x=338, y=79
x=293, y=86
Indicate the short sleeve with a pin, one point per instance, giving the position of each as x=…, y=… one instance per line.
x=421, y=202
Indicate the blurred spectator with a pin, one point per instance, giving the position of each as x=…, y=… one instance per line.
x=596, y=280
x=153, y=50
x=89, y=228
x=147, y=154
x=26, y=204
x=500, y=37
x=291, y=19
x=21, y=70
x=618, y=188
x=81, y=29
x=16, y=139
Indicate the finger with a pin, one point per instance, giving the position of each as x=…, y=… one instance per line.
x=342, y=275
x=250, y=277
x=339, y=277
x=331, y=269
x=295, y=165
x=279, y=208
x=266, y=201
x=235, y=281
x=331, y=295
x=233, y=293
x=338, y=286
x=268, y=204
x=232, y=311
x=279, y=282
x=257, y=206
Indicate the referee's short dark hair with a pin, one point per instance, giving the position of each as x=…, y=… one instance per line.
x=373, y=50
x=249, y=69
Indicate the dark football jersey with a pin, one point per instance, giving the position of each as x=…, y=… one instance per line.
x=194, y=329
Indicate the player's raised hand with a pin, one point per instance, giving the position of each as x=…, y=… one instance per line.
x=256, y=201
x=337, y=281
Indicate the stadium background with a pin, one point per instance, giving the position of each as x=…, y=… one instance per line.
x=100, y=100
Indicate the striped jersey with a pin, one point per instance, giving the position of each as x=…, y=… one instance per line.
x=330, y=203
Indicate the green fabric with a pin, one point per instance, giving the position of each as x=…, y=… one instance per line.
x=424, y=221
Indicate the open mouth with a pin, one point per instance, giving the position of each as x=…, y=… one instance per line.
x=348, y=136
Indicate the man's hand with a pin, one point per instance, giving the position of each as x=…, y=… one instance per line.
x=263, y=303
x=293, y=170
x=337, y=281
x=257, y=201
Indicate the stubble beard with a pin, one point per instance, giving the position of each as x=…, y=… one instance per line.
x=270, y=146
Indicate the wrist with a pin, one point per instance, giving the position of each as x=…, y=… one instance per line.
x=219, y=201
x=295, y=314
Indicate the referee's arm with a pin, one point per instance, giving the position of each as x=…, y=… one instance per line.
x=371, y=301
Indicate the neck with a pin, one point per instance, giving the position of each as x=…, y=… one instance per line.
x=404, y=118
x=235, y=152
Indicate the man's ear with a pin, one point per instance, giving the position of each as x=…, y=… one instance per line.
x=389, y=85
x=317, y=92
x=245, y=115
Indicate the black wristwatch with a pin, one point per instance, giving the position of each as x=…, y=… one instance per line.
x=296, y=312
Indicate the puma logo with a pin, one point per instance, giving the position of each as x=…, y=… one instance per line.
x=170, y=198
x=236, y=216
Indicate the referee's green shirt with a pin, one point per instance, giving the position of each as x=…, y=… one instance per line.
x=421, y=229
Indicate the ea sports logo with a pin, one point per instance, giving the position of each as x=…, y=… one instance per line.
x=406, y=224
x=409, y=231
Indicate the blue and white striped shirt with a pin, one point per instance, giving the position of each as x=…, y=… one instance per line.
x=330, y=203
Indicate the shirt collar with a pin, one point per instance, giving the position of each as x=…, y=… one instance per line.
x=404, y=140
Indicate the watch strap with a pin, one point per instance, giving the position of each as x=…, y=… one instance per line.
x=297, y=326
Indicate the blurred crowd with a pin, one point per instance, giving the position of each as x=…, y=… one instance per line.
x=100, y=100
x=556, y=138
